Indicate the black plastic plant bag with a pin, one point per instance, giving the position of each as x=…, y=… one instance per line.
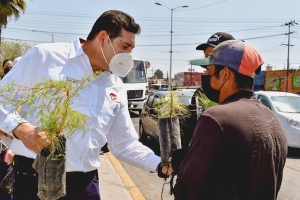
x=51, y=177
x=169, y=138
x=51, y=173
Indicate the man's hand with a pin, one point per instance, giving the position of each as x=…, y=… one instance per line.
x=31, y=137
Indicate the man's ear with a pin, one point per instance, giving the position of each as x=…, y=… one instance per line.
x=102, y=35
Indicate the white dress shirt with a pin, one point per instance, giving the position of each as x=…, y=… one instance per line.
x=103, y=101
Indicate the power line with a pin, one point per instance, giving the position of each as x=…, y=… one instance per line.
x=263, y=36
x=49, y=31
x=159, y=45
x=24, y=40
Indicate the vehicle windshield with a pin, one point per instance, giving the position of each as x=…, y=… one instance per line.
x=164, y=87
x=287, y=104
x=183, y=99
x=137, y=74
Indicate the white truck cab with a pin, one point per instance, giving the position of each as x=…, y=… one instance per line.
x=137, y=86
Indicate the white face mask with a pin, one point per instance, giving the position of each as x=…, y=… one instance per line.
x=121, y=63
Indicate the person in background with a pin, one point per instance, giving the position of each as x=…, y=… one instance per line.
x=104, y=149
x=239, y=147
x=6, y=158
x=195, y=105
x=213, y=41
x=108, y=48
x=7, y=65
x=6, y=138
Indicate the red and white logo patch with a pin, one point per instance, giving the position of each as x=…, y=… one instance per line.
x=113, y=96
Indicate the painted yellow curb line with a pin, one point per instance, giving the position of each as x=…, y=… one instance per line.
x=134, y=191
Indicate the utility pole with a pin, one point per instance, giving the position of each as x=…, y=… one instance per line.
x=152, y=71
x=289, y=24
x=191, y=76
x=167, y=77
x=171, y=44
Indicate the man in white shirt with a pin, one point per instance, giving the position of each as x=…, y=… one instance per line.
x=103, y=101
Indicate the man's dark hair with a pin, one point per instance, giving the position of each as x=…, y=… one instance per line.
x=241, y=80
x=113, y=21
x=5, y=62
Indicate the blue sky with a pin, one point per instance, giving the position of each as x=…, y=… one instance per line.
x=261, y=23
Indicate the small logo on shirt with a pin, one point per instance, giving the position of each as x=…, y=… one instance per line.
x=113, y=96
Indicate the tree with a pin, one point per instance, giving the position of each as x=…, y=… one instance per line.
x=158, y=73
x=12, y=49
x=9, y=9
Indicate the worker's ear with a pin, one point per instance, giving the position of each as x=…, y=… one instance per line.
x=226, y=73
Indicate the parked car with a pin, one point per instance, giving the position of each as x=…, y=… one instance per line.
x=158, y=87
x=148, y=118
x=286, y=106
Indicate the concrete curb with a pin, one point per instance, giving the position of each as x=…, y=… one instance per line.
x=134, y=191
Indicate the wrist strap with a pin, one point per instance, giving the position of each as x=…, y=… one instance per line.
x=14, y=135
x=15, y=128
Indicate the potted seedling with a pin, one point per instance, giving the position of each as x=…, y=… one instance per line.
x=50, y=102
x=170, y=109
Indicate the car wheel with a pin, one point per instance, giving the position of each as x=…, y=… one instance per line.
x=142, y=134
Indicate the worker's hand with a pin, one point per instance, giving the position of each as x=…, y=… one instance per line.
x=164, y=171
x=31, y=137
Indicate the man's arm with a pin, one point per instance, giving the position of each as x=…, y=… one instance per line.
x=124, y=144
x=23, y=73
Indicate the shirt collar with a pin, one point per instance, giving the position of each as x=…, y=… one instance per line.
x=239, y=95
x=76, y=48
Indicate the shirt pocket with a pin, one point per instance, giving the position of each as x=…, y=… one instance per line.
x=109, y=112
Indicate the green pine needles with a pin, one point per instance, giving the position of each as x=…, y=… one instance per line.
x=49, y=102
x=171, y=106
x=204, y=101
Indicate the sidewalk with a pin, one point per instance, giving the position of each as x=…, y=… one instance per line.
x=115, y=183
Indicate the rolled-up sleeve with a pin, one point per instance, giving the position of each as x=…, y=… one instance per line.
x=22, y=73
